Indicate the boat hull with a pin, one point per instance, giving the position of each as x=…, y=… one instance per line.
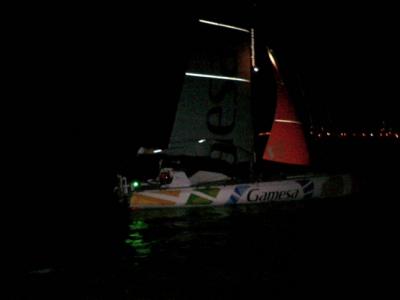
x=289, y=189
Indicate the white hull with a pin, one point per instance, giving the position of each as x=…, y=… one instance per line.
x=295, y=188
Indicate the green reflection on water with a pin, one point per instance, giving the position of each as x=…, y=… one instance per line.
x=138, y=224
x=136, y=240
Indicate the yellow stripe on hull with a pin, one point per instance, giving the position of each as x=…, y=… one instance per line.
x=138, y=200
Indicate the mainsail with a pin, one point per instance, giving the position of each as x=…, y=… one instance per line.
x=213, y=118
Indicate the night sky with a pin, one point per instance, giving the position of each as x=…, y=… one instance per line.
x=342, y=58
x=99, y=68
x=345, y=56
x=91, y=77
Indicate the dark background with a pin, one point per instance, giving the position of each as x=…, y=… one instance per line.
x=107, y=79
x=88, y=85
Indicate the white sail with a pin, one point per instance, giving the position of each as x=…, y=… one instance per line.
x=214, y=113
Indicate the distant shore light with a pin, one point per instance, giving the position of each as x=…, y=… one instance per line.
x=264, y=133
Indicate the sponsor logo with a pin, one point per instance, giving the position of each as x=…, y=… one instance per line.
x=257, y=195
x=308, y=188
x=237, y=193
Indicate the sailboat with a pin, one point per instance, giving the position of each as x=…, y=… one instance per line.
x=210, y=159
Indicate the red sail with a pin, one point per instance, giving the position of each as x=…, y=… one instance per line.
x=286, y=143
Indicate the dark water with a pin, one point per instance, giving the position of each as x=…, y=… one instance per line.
x=341, y=247
x=300, y=248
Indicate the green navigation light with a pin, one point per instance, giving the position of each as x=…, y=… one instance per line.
x=135, y=184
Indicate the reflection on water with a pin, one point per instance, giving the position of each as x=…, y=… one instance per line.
x=229, y=252
x=160, y=228
x=136, y=241
x=186, y=249
x=210, y=236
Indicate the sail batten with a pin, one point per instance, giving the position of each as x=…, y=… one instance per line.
x=216, y=77
x=288, y=121
x=223, y=25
